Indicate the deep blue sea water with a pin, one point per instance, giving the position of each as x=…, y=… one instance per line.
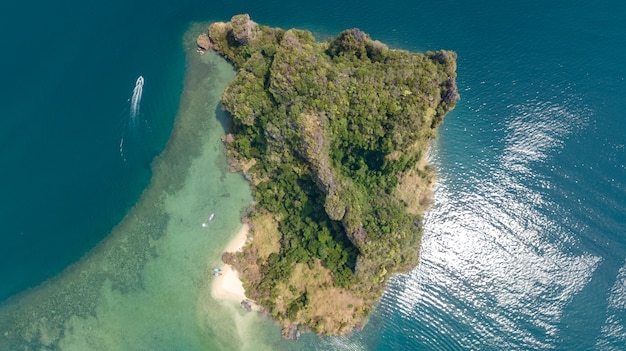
x=525, y=247
x=68, y=71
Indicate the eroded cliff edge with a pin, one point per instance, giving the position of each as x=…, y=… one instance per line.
x=333, y=138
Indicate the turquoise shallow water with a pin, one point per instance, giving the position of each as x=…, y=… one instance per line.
x=524, y=247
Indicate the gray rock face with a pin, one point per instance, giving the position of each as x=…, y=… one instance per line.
x=203, y=42
x=244, y=29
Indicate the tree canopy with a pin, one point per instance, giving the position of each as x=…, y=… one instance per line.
x=333, y=137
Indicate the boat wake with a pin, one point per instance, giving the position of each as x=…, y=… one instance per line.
x=130, y=132
x=122, y=149
x=136, y=99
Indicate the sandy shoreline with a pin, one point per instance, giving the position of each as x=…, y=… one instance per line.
x=227, y=286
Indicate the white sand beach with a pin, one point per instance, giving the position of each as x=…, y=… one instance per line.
x=228, y=286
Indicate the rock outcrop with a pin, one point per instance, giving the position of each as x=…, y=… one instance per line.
x=244, y=29
x=204, y=43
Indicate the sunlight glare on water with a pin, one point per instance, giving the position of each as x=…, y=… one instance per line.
x=488, y=260
x=614, y=329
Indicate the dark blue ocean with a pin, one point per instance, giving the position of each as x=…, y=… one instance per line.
x=525, y=245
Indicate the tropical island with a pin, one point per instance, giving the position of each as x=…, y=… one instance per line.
x=333, y=138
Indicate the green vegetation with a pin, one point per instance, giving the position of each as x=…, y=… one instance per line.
x=332, y=136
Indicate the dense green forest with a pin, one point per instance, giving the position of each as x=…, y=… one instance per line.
x=332, y=136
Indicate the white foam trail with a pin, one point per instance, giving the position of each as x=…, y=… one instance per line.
x=122, y=148
x=136, y=99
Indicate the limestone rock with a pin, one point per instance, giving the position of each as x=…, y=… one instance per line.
x=204, y=43
x=228, y=138
x=244, y=29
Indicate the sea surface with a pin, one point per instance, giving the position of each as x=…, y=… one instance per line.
x=101, y=242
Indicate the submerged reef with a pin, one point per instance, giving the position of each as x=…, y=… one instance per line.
x=332, y=137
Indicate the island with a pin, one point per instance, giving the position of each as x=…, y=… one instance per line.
x=333, y=138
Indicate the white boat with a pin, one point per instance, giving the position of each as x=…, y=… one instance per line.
x=208, y=220
x=139, y=82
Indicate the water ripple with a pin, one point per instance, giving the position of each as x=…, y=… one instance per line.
x=496, y=268
x=614, y=329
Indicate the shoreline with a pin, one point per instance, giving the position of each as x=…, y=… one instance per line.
x=228, y=286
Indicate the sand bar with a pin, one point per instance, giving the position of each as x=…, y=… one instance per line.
x=228, y=286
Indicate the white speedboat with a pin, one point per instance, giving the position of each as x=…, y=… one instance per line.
x=208, y=220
